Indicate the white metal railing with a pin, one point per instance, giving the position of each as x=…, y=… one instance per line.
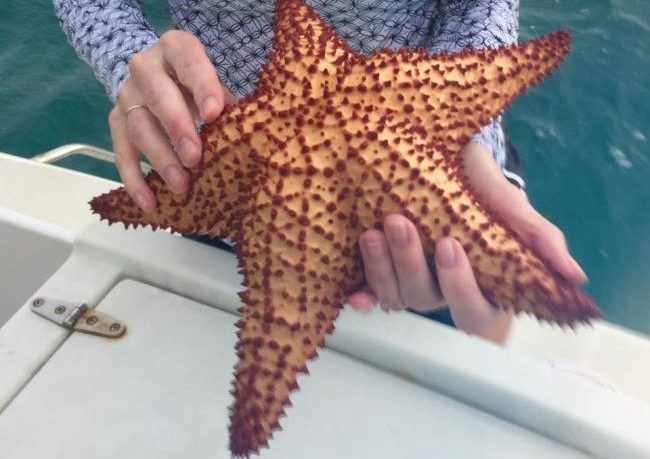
x=73, y=149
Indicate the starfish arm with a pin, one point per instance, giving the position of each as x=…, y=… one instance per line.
x=217, y=195
x=294, y=290
x=307, y=53
x=454, y=94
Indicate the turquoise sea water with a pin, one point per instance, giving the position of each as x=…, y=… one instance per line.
x=584, y=135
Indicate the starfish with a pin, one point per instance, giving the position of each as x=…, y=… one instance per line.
x=328, y=144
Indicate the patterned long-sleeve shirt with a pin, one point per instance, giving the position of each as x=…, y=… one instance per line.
x=237, y=34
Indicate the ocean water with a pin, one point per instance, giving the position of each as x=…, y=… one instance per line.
x=584, y=134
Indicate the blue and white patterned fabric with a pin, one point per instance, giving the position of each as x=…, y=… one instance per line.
x=237, y=34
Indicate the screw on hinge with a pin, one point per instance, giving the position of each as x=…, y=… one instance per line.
x=92, y=320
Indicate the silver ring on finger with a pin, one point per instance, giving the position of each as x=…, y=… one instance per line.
x=134, y=107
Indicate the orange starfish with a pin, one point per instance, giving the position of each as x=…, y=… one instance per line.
x=328, y=145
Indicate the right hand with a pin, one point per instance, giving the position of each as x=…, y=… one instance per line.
x=398, y=274
x=177, y=85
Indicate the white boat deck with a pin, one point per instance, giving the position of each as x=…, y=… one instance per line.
x=386, y=386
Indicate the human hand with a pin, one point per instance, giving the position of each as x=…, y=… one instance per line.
x=171, y=85
x=398, y=276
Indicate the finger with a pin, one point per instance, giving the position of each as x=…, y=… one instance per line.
x=154, y=88
x=194, y=110
x=537, y=232
x=229, y=98
x=145, y=134
x=378, y=265
x=362, y=301
x=127, y=161
x=505, y=200
x=416, y=286
x=469, y=308
x=186, y=56
x=547, y=240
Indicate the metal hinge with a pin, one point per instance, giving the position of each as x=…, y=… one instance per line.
x=78, y=317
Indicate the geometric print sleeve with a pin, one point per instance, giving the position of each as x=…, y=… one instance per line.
x=477, y=24
x=105, y=34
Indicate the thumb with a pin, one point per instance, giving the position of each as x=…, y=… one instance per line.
x=547, y=240
x=507, y=202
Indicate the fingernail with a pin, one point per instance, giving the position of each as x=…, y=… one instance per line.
x=209, y=103
x=446, y=254
x=188, y=151
x=363, y=305
x=372, y=248
x=397, y=233
x=175, y=178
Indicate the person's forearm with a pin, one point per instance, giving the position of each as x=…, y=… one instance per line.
x=105, y=34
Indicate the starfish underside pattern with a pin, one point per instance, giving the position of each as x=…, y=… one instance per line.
x=328, y=145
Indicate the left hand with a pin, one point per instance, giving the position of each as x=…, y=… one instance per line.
x=398, y=276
